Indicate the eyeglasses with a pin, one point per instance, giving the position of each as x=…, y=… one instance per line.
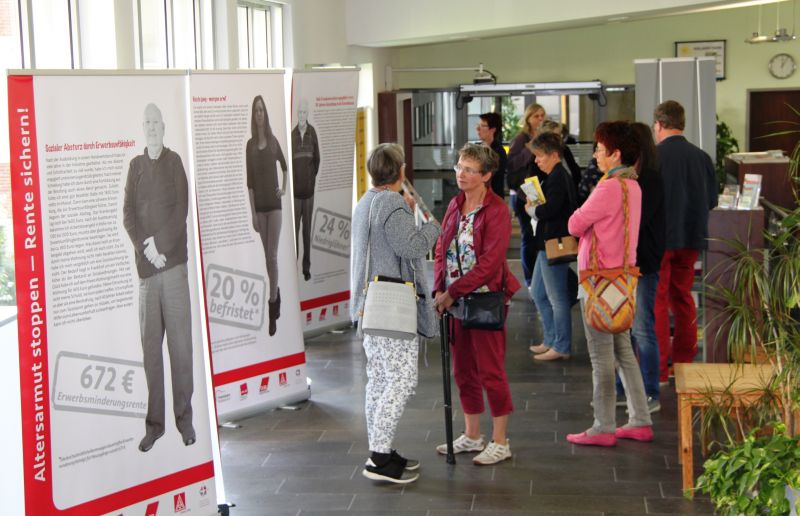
x=460, y=168
x=483, y=126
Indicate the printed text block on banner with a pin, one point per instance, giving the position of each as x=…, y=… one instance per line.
x=99, y=385
x=331, y=232
x=235, y=298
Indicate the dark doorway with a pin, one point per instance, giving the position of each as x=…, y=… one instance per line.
x=766, y=108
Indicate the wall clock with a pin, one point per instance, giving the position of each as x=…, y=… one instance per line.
x=782, y=66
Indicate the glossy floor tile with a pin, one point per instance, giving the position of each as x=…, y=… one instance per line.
x=308, y=462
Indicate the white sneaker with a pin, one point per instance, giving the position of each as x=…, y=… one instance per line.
x=463, y=444
x=493, y=453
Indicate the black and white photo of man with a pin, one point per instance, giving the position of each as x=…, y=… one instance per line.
x=305, y=165
x=154, y=215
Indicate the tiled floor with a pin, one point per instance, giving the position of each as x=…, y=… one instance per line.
x=309, y=461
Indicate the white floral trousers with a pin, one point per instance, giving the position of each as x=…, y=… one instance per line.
x=391, y=380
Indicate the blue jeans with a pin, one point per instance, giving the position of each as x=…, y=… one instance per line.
x=527, y=251
x=551, y=295
x=644, y=335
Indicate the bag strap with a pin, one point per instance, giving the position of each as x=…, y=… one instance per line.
x=369, y=246
x=369, y=237
x=627, y=238
x=458, y=260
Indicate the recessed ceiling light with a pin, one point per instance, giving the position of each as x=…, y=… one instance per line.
x=618, y=18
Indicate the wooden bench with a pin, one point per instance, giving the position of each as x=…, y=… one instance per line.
x=696, y=384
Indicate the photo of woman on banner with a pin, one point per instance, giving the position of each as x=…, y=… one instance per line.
x=262, y=153
x=154, y=214
x=305, y=166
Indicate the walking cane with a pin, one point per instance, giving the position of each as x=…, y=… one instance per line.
x=444, y=328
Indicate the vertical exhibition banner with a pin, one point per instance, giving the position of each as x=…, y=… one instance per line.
x=245, y=208
x=323, y=154
x=115, y=417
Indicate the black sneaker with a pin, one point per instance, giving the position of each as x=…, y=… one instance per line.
x=408, y=464
x=390, y=472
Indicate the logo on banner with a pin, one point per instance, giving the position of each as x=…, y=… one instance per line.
x=180, y=502
x=243, y=390
x=282, y=378
x=297, y=372
x=309, y=316
x=322, y=314
x=151, y=510
x=264, y=387
x=335, y=310
x=203, y=500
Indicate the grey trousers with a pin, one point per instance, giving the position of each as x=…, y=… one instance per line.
x=391, y=379
x=303, y=211
x=269, y=228
x=164, y=306
x=607, y=350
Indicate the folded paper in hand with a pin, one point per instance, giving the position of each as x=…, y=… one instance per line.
x=533, y=190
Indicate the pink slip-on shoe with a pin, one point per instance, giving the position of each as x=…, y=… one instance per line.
x=637, y=433
x=604, y=439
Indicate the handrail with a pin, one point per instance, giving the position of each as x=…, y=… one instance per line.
x=780, y=211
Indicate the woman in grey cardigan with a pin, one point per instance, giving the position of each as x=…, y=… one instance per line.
x=397, y=249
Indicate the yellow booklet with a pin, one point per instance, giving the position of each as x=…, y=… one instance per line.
x=533, y=190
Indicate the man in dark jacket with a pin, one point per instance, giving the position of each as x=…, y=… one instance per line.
x=690, y=192
x=305, y=165
x=154, y=214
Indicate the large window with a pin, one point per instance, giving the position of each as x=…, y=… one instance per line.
x=260, y=35
x=96, y=34
x=10, y=58
x=174, y=34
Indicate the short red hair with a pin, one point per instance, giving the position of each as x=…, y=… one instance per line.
x=618, y=136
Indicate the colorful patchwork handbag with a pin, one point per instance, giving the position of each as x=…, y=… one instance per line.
x=611, y=293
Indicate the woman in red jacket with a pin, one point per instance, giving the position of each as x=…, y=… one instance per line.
x=471, y=257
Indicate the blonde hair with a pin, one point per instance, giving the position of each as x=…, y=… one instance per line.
x=529, y=111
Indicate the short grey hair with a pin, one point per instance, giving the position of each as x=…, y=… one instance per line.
x=549, y=126
x=384, y=163
x=484, y=155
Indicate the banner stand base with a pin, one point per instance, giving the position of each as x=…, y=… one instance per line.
x=290, y=407
x=224, y=508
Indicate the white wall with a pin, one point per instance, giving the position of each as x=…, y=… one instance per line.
x=382, y=22
x=318, y=38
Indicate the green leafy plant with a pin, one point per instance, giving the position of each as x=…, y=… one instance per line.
x=7, y=290
x=761, y=309
x=726, y=144
x=512, y=121
x=759, y=447
x=751, y=477
x=794, y=129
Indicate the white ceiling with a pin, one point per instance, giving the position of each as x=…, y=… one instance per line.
x=393, y=23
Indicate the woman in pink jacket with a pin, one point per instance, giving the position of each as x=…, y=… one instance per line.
x=602, y=215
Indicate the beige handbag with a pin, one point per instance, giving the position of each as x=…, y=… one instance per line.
x=561, y=250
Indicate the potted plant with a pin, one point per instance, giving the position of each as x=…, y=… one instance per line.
x=726, y=144
x=752, y=477
x=758, y=455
